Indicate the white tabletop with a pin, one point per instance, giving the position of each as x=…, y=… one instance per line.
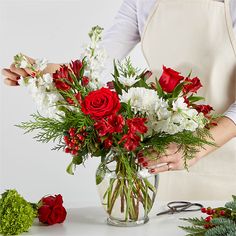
x=92, y=221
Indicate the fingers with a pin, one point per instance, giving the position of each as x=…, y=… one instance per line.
x=10, y=82
x=10, y=75
x=163, y=168
x=18, y=71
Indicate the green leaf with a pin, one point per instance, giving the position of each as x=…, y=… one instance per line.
x=193, y=99
x=70, y=169
x=77, y=160
x=177, y=90
x=160, y=91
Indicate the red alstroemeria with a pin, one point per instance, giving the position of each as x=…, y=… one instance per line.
x=60, y=78
x=205, y=109
x=131, y=140
x=103, y=127
x=192, y=86
x=137, y=125
x=85, y=81
x=108, y=142
x=76, y=67
x=147, y=74
x=186, y=101
x=110, y=85
x=116, y=122
x=170, y=79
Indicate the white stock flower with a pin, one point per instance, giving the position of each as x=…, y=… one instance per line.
x=179, y=104
x=129, y=81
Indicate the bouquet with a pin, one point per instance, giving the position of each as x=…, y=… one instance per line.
x=117, y=121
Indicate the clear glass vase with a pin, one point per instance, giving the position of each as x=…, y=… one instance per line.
x=127, y=194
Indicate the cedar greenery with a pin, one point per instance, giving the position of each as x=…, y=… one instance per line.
x=221, y=226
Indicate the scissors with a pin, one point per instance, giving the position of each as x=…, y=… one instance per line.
x=181, y=206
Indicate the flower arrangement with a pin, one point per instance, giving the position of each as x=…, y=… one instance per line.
x=17, y=215
x=220, y=221
x=125, y=117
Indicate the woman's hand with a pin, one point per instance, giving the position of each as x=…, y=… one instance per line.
x=171, y=160
x=13, y=74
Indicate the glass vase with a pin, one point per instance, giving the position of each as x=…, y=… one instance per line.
x=127, y=192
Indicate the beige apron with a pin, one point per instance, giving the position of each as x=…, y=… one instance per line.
x=197, y=35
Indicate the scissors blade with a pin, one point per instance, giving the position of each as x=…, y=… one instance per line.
x=165, y=212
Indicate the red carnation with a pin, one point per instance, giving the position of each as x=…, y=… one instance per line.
x=170, y=79
x=76, y=67
x=205, y=109
x=51, y=210
x=101, y=103
x=193, y=85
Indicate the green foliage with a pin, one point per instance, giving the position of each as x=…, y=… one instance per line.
x=16, y=214
x=220, y=225
x=188, y=142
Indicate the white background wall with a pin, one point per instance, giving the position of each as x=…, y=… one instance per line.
x=54, y=29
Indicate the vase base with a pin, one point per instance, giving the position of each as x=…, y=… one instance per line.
x=120, y=223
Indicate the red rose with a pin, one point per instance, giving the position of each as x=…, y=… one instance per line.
x=76, y=67
x=51, y=210
x=62, y=78
x=193, y=85
x=132, y=141
x=137, y=125
x=101, y=103
x=205, y=109
x=170, y=79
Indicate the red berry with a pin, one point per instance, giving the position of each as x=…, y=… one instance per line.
x=140, y=154
x=67, y=150
x=222, y=213
x=70, y=145
x=141, y=160
x=207, y=226
x=203, y=210
x=209, y=211
x=213, y=211
x=67, y=140
x=80, y=137
x=74, y=152
x=72, y=132
x=208, y=219
x=74, y=141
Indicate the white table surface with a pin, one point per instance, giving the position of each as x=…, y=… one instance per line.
x=92, y=221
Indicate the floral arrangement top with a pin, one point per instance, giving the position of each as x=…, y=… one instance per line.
x=128, y=115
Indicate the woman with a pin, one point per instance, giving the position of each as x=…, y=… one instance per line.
x=184, y=35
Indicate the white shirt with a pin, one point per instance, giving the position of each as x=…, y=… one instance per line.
x=128, y=28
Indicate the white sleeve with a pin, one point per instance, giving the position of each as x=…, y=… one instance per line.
x=231, y=113
x=121, y=38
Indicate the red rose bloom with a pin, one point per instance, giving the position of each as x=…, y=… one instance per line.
x=76, y=67
x=51, y=210
x=170, y=79
x=205, y=109
x=193, y=85
x=101, y=103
